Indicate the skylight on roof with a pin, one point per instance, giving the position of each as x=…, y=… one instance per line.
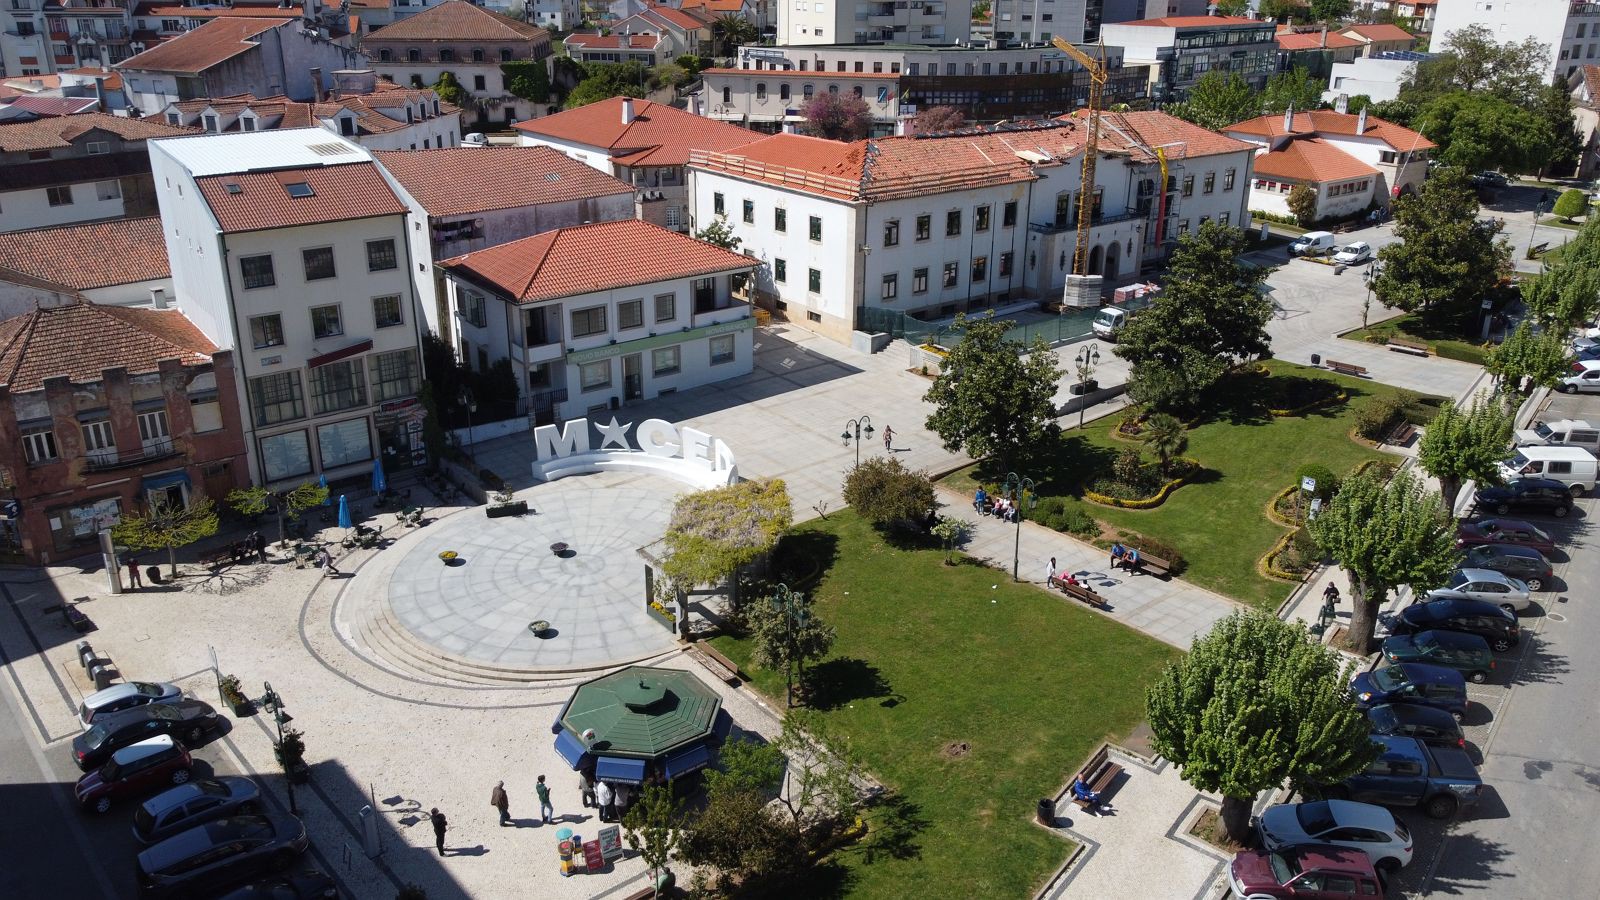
x=552, y=176
x=329, y=149
x=233, y=187
x=299, y=189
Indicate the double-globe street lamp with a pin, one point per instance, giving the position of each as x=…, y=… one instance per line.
x=854, y=430
x=1088, y=357
x=1023, y=493
x=793, y=607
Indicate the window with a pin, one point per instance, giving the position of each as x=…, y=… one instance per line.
x=666, y=307
x=380, y=255
x=919, y=281
x=266, y=331
x=210, y=122
x=1008, y=216
x=952, y=223
x=813, y=316
x=257, y=271
x=1005, y=264
x=952, y=272
x=474, y=309
x=749, y=212
x=761, y=90
x=248, y=123
x=1188, y=185
x=173, y=119
x=285, y=455
x=347, y=126
x=1224, y=218
x=816, y=228
x=727, y=95
x=325, y=321
x=891, y=233
x=783, y=92
x=924, y=227
x=413, y=55
x=806, y=92
x=1183, y=227
x=1063, y=209
x=39, y=445
x=386, y=311
x=394, y=374
x=780, y=220
x=814, y=281
x=477, y=54
x=505, y=55
x=385, y=55
x=891, y=286
x=586, y=322
x=883, y=94
x=594, y=376
x=780, y=270
x=980, y=219
x=980, y=268
x=630, y=314
x=319, y=263
x=722, y=349
x=717, y=205
x=1227, y=179
x=60, y=195
x=96, y=148
x=665, y=361
x=338, y=385
x=447, y=55
x=276, y=398
x=1211, y=183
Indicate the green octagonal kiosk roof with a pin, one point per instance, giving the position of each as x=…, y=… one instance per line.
x=642, y=712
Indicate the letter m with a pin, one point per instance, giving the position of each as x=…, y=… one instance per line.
x=550, y=442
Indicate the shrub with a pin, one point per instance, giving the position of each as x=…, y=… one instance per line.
x=1054, y=512
x=1327, y=483
x=1129, y=466
x=1376, y=414
x=1380, y=334
x=883, y=491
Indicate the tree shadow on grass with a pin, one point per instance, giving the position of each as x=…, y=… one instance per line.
x=845, y=679
x=803, y=557
x=893, y=824
x=1060, y=469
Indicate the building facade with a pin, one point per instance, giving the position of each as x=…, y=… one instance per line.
x=858, y=21
x=106, y=412
x=290, y=247
x=662, y=314
x=555, y=15
x=1567, y=27
x=1181, y=49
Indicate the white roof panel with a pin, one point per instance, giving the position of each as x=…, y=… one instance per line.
x=225, y=154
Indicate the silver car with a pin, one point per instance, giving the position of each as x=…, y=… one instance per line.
x=1359, y=826
x=123, y=696
x=1353, y=254
x=195, y=803
x=1487, y=585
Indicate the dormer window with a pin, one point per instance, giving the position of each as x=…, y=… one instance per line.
x=299, y=189
x=174, y=119
x=347, y=126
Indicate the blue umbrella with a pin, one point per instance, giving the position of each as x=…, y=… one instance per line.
x=344, y=513
x=379, y=483
x=322, y=482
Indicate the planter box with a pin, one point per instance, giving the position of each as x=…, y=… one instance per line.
x=243, y=709
x=1084, y=387
x=498, y=510
x=668, y=623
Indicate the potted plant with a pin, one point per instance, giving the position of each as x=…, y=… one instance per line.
x=233, y=695
x=290, y=751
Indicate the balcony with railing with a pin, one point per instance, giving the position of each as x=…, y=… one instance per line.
x=104, y=460
x=1071, y=222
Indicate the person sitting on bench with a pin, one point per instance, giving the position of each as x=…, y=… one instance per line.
x=1080, y=791
x=1131, y=560
x=1118, y=554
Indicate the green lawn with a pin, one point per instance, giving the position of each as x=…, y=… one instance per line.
x=1446, y=338
x=928, y=656
x=1218, y=522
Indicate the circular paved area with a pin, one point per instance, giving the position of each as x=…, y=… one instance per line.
x=480, y=607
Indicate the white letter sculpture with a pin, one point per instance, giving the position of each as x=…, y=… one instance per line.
x=687, y=455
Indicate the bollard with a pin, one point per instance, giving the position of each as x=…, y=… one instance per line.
x=369, y=831
x=101, y=673
x=85, y=655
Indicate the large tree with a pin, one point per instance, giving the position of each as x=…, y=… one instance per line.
x=1284, y=11
x=994, y=396
x=1446, y=260
x=1527, y=359
x=168, y=526
x=1330, y=11
x=1217, y=100
x=1256, y=703
x=1385, y=534
x=1461, y=444
x=938, y=118
x=1471, y=60
x=731, y=30
x=1567, y=293
x=1296, y=89
x=605, y=80
x=786, y=633
x=1483, y=131
x=837, y=117
x=286, y=505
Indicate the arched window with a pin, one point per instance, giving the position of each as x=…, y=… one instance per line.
x=833, y=89
x=505, y=56
x=477, y=54
x=806, y=92
x=383, y=55
x=883, y=95
x=727, y=95
x=857, y=91
x=783, y=92
x=447, y=55
x=413, y=55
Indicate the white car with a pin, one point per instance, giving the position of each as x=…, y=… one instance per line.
x=1585, y=377
x=1353, y=254
x=1487, y=585
x=1345, y=823
x=123, y=696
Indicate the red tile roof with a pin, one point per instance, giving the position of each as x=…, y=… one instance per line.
x=685, y=20
x=612, y=41
x=458, y=21
x=81, y=340
x=588, y=258
x=1193, y=21
x=1591, y=84
x=55, y=106
x=1385, y=32
x=84, y=257
x=1158, y=129
x=61, y=131
x=112, y=80
x=340, y=193
x=1315, y=40
x=1311, y=159
x=214, y=42
x=718, y=7
x=459, y=180
x=658, y=135
x=1326, y=121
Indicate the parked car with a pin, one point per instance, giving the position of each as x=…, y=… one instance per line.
x=1466, y=653
x=190, y=720
x=1525, y=564
x=1543, y=495
x=134, y=770
x=1486, y=585
x=1408, y=772
x=1353, y=254
x=304, y=886
x=1487, y=178
x=1574, y=467
x=123, y=696
x=1345, y=823
x=1423, y=685
x=1313, y=243
x=1485, y=620
x=1584, y=377
x=219, y=854
x=1562, y=432
x=1305, y=871
x=194, y=803
x=1503, y=531
x=1431, y=726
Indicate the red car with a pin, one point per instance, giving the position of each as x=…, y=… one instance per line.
x=134, y=770
x=1310, y=870
x=1503, y=531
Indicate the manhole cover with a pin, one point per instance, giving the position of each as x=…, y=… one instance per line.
x=1556, y=617
x=956, y=749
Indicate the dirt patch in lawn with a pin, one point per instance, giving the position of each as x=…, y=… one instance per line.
x=955, y=750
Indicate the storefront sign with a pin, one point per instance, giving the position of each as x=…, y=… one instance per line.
x=593, y=858
x=688, y=455
x=610, y=838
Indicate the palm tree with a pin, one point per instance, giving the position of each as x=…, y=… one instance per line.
x=731, y=31
x=1163, y=433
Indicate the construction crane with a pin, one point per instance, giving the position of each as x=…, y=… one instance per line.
x=1091, y=148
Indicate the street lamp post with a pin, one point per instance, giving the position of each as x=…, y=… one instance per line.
x=271, y=702
x=470, y=404
x=1022, y=492
x=1538, y=210
x=794, y=616
x=1368, y=276
x=853, y=430
x=1088, y=358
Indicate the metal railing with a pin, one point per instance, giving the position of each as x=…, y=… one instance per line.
x=150, y=452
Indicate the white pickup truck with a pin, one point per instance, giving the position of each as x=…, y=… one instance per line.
x=1563, y=433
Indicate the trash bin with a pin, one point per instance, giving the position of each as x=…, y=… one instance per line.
x=1316, y=359
x=1046, y=811
x=153, y=574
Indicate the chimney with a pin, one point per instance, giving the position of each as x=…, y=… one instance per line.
x=1341, y=104
x=694, y=104
x=627, y=110
x=158, y=298
x=1288, y=120
x=1324, y=39
x=1361, y=122
x=316, y=83
x=100, y=94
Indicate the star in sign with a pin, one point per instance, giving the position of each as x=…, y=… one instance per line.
x=614, y=433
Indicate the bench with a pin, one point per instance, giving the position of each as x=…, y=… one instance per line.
x=1344, y=368
x=1538, y=249
x=1098, y=774
x=1402, y=434
x=717, y=664
x=1080, y=592
x=1416, y=348
x=222, y=556
x=1153, y=565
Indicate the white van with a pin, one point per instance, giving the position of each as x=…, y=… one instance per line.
x=1573, y=466
x=1564, y=432
x=1312, y=243
x=1108, y=322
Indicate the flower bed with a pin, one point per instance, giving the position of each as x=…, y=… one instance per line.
x=1186, y=466
x=665, y=616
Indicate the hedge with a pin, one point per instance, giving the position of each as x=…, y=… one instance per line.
x=1150, y=502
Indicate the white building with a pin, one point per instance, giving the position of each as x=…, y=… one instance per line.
x=1568, y=27
x=117, y=263
x=1353, y=161
x=1378, y=77
x=937, y=224
x=289, y=247
x=596, y=317
x=856, y=21
x=555, y=15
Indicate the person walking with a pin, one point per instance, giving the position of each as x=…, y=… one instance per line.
x=439, y=826
x=607, y=800
x=1330, y=594
x=1050, y=573
x=500, y=801
x=325, y=562
x=888, y=439
x=259, y=541
x=546, y=811
x=132, y=562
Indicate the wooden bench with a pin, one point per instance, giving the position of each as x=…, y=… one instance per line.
x=1538, y=249
x=1098, y=774
x=1416, y=348
x=719, y=665
x=1153, y=565
x=222, y=556
x=1344, y=368
x=1080, y=592
x=1402, y=434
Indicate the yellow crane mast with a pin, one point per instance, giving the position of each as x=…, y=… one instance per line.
x=1097, y=86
